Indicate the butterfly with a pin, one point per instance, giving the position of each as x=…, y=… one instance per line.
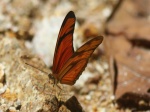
x=68, y=64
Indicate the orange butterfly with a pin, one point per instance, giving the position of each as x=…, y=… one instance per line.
x=67, y=64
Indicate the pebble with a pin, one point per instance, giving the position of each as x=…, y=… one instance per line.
x=1, y=73
x=3, y=89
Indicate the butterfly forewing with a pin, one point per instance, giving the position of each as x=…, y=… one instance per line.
x=64, y=47
x=77, y=62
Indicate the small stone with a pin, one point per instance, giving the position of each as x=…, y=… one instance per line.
x=1, y=73
x=2, y=88
x=12, y=109
x=88, y=97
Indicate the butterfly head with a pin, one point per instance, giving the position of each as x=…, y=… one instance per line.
x=54, y=78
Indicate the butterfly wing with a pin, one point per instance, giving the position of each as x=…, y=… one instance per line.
x=64, y=47
x=78, y=61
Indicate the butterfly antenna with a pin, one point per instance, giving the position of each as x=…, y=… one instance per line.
x=58, y=87
x=36, y=68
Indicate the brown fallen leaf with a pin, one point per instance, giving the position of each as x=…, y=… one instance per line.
x=128, y=78
x=128, y=46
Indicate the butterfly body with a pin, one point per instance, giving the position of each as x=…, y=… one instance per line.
x=67, y=64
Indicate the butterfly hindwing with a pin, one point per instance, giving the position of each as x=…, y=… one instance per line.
x=73, y=68
x=64, y=47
